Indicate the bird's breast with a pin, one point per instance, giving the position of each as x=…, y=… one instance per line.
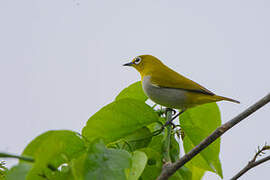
x=168, y=97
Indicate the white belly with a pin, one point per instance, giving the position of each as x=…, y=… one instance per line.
x=168, y=97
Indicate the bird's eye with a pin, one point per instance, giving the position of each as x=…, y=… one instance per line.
x=137, y=60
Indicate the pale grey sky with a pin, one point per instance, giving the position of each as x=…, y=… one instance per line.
x=60, y=62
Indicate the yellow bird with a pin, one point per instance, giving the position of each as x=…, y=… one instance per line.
x=166, y=87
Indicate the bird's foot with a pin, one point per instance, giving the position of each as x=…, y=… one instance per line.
x=173, y=118
x=170, y=109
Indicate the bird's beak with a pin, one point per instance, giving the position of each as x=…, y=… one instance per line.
x=128, y=64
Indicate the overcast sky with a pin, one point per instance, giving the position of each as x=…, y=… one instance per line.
x=60, y=62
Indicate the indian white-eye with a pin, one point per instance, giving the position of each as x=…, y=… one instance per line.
x=166, y=87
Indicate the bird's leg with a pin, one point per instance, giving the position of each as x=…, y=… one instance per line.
x=157, y=132
x=170, y=109
x=170, y=121
x=180, y=133
x=173, y=125
x=173, y=113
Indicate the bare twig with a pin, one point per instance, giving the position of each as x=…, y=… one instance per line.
x=253, y=162
x=172, y=168
x=260, y=152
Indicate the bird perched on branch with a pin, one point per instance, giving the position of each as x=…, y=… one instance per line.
x=166, y=87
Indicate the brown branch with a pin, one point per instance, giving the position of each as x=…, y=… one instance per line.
x=260, y=152
x=253, y=162
x=172, y=168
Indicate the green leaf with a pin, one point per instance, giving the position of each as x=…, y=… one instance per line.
x=59, y=146
x=155, y=151
x=18, y=172
x=133, y=91
x=154, y=164
x=174, y=149
x=197, y=123
x=182, y=174
x=119, y=119
x=158, y=142
x=197, y=173
x=185, y=173
x=49, y=174
x=101, y=163
x=52, y=148
x=139, y=139
x=3, y=170
x=139, y=160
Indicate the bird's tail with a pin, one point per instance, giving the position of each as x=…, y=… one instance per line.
x=220, y=98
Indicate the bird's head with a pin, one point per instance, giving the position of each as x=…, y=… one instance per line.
x=145, y=63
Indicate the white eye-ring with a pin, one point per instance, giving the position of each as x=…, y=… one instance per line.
x=137, y=60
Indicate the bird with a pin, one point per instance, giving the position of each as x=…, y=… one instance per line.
x=170, y=89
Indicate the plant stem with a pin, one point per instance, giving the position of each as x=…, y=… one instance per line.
x=24, y=158
x=167, y=143
x=6, y=155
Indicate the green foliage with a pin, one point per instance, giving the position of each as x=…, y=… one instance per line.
x=197, y=123
x=118, y=143
x=101, y=163
x=19, y=171
x=197, y=173
x=55, y=147
x=154, y=164
x=133, y=91
x=3, y=170
x=138, y=139
x=139, y=160
x=119, y=119
x=185, y=173
x=50, y=150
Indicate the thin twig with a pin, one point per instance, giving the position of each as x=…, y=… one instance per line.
x=24, y=158
x=172, y=168
x=260, y=152
x=253, y=162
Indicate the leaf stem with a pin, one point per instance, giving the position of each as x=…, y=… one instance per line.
x=167, y=143
x=24, y=158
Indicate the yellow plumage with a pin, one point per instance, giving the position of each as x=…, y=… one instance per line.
x=168, y=88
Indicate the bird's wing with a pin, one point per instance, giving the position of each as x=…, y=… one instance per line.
x=170, y=79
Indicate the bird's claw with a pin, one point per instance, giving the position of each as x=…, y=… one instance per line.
x=170, y=109
x=172, y=124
